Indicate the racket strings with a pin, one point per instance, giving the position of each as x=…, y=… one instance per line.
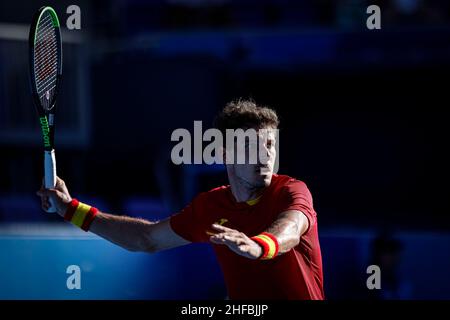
x=46, y=60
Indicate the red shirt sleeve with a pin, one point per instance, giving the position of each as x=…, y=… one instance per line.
x=188, y=223
x=296, y=196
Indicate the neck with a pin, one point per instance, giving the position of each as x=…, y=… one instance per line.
x=242, y=190
x=243, y=194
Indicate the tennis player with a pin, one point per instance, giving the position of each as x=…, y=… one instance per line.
x=262, y=226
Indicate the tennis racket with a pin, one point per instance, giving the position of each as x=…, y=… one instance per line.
x=45, y=74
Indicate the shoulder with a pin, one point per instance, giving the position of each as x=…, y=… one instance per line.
x=286, y=183
x=217, y=193
x=290, y=188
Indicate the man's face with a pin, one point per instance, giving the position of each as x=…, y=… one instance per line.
x=259, y=159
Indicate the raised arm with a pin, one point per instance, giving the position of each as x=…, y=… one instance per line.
x=133, y=234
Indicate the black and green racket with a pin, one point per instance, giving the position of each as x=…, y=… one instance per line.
x=45, y=74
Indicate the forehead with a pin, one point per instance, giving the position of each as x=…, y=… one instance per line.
x=262, y=136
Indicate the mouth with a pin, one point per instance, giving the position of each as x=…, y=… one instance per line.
x=263, y=170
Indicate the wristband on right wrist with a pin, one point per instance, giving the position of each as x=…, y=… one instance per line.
x=80, y=214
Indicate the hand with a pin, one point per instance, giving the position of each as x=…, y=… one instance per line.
x=237, y=242
x=59, y=195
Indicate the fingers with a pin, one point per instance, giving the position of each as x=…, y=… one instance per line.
x=235, y=244
x=59, y=183
x=230, y=239
x=45, y=202
x=45, y=195
x=244, y=248
x=234, y=239
x=45, y=198
x=218, y=239
x=46, y=192
x=222, y=228
x=59, y=195
x=224, y=241
x=228, y=233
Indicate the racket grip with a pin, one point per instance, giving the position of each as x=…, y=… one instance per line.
x=50, y=174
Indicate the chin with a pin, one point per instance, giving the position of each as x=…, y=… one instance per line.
x=266, y=180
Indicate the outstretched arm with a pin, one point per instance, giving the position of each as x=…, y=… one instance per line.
x=287, y=229
x=136, y=234
x=133, y=234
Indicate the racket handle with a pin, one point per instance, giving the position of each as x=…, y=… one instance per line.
x=50, y=174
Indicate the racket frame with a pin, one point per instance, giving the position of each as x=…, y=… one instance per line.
x=46, y=117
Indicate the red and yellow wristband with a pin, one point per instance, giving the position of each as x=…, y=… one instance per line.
x=268, y=243
x=80, y=214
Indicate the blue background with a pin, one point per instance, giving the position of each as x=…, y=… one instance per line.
x=363, y=116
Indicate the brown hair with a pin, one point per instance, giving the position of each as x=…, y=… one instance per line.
x=245, y=114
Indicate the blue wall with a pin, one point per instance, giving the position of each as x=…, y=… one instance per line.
x=34, y=258
x=34, y=267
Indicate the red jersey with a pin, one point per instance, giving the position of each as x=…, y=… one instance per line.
x=296, y=274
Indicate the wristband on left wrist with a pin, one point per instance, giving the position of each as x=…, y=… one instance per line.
x=269, y=245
